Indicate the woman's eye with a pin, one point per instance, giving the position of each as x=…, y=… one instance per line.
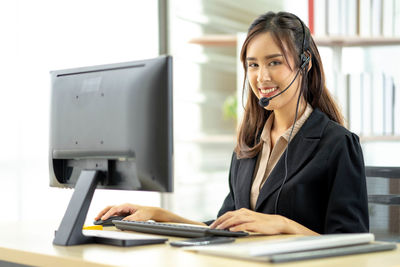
x=274, y=63
x=253, y=65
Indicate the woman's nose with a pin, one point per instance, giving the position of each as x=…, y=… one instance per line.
x=263, y=75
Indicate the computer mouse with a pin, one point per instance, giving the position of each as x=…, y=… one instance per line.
x=108, y=222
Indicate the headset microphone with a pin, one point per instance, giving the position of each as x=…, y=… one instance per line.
x=264, y=101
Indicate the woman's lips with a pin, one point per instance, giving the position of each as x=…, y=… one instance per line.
x=268, y=91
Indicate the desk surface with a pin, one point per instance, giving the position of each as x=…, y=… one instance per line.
x=32, y=245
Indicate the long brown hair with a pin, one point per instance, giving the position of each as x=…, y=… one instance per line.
x=287, y=31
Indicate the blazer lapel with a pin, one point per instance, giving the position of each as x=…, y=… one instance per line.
x=245, y=178
x=300, y=149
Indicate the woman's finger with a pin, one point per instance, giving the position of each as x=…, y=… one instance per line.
x=221, y=219
x=101, y=213
x=234, y=221
x=248, y=227
x=109, y=213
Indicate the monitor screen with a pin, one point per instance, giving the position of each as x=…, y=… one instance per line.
x=118, y=116
x=110, y=127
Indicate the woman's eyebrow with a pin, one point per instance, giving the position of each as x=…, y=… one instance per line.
x=266, y=57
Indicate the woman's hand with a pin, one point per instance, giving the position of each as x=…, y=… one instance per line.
x=133, y=212
x=143, y=213
x=251, y=221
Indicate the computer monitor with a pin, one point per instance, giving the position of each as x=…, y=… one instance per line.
x=110, y=127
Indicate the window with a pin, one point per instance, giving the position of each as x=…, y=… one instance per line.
x=39, y=36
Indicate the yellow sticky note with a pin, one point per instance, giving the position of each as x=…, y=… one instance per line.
x=93, y=227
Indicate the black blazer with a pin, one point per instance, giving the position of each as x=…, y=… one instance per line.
x=325, y=189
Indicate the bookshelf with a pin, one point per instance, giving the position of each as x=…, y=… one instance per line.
x=215, y=40
x=385, y=138
x=337, y=43
x=345, y=41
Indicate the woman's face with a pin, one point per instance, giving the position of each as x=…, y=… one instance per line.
x=269, y=73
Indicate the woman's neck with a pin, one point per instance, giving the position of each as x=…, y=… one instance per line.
x=284, y=118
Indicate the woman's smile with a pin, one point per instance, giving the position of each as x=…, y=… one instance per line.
x=268, y=91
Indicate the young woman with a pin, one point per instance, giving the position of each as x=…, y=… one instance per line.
x=314, y=185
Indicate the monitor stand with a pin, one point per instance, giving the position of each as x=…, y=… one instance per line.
x=70, y=233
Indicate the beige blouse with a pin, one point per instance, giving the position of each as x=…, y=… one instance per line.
x=267, y=159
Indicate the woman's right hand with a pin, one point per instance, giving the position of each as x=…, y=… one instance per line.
x=143, y=213
x=131, y=211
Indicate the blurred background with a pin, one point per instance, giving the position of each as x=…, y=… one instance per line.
x=359, y=49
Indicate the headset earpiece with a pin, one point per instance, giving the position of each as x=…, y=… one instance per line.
x=304, y=59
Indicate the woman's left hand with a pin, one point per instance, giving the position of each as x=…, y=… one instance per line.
x=251, y=221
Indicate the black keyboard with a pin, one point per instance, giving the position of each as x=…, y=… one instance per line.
x=173, y=229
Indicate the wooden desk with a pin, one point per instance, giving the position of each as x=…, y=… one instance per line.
x=32, y=245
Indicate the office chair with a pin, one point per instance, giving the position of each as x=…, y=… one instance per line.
x=383, y=185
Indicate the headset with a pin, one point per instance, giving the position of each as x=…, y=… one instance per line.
x=264, y=101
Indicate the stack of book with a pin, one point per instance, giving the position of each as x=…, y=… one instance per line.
x=366, y=18
x=371, y=103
